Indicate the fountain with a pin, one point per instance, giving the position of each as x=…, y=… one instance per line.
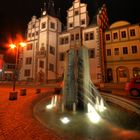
x=78, y=92
x=79, y=112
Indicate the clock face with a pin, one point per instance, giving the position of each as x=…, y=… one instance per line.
x=44, y=12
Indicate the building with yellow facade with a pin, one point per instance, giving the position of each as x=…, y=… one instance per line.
x=122, y=43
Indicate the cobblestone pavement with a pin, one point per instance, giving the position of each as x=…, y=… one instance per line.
x=16, y=117
x=17, y=121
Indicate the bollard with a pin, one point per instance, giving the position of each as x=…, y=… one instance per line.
x=13, y=95
x=74, y=107
x=23, y=92
x=38, y=90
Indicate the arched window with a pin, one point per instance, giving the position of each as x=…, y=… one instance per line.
x=122, y=74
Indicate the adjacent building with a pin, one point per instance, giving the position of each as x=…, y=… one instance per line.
x=122, y=43
x=7, y=68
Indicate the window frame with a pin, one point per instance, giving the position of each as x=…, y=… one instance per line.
x=125, y=50
x=43, y=25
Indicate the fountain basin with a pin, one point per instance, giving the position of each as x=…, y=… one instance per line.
x=116, y=123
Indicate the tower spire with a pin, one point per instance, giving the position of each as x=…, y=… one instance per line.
x=58, y=13
x=50, y=8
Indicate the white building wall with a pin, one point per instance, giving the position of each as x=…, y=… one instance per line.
x=95, y=70
x=75, y=19
x=62, y=49
x=32, y=38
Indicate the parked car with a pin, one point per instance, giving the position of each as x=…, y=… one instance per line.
x=133, y=87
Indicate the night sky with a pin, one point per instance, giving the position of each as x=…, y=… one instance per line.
x=15, y=14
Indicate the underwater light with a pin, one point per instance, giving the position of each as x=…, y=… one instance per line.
x=53, y=102
x=49, y=106
x=65, y=120
x=92, y=114
x=94, y=117
x=100, y=105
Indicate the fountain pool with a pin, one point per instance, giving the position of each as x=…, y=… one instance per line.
x=80, y=112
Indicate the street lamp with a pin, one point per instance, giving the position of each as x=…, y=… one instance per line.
x=16, y=47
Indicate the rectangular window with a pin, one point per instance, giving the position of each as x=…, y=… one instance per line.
x=132, y=32
x=12, y=67
x=72, y=37
x=43, y=25
x=108, y=52
x=77, y=37
x=42, y=47
x=76, y=12
x=33, y=34
x=28, y=60
x=71, y=25
x=52, y=50
x=86, y=36
x=29, y=46
x=107, y=37
x=41, y=64
x=91, y=53
x=66, y=40
x=51, y=67
x=116, y=51
x=52, y=25
x=125, y=50
x=115, y=35
x=61, y=41
x=36, y=32
x=134, y=49
x=61, y=56
x=123, y=34
x=29, y=34
x=82, y=21
x=91, y=36
x=27, y=72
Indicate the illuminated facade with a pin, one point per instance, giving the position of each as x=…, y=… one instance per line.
x=44, y=56
x=39, y=57
x=78, y=33
x=122, y=43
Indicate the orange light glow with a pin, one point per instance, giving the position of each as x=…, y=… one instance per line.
x=22, y=44
x=12, y=46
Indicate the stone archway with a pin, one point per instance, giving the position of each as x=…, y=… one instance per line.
x=136, y=71
x=122, y=74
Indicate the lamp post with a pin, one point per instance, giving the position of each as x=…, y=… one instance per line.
x=16, y=47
